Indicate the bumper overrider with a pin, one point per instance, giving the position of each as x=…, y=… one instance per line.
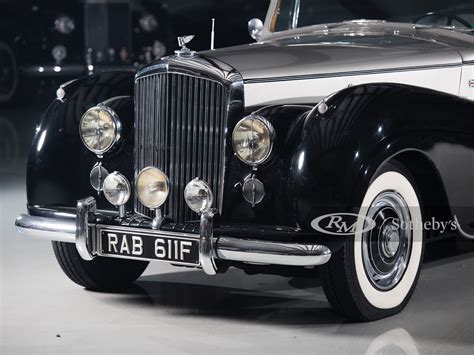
x=84, y=230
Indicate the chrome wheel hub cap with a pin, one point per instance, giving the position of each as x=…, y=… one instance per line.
x=386, y=247
x=391, y=241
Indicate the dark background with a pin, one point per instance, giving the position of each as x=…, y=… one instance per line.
x=28, y=35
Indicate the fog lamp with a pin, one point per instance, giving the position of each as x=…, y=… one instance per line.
x=253, y=139
x=152, y=187
x=116, y=189
x=198, y=196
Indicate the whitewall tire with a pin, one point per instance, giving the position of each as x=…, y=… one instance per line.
x=374, y=275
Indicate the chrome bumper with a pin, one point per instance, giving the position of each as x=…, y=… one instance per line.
x=210, y=248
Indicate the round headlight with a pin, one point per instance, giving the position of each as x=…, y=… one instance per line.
x=152, y=187
x=99, y=129
x=198, y=196
x=64, y=25
x=253, y=139
x=116, y=189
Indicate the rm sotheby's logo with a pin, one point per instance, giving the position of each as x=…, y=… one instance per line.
x=341, y=223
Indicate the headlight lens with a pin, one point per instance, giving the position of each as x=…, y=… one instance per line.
x=152, y=187
x=64, y=25
x=116, y=189
x=253, y=139
x=198, y=196
x=99, y=129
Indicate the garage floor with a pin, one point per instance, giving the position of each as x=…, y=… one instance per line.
x=173, y=310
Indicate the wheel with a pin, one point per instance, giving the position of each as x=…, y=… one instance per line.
x=8, y=73
x=100, y=274
x=375, y=273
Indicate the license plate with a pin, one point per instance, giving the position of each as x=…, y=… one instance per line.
x=151, y=247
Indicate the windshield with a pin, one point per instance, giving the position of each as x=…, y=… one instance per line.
x=301, y=13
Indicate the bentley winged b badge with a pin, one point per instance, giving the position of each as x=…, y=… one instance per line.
x=185, y=51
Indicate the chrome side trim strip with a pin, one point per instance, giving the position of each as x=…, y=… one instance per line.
x=348, y=73
x=60, y=230
x=267, y=252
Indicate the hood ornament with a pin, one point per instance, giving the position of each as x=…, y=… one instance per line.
x=185, y=51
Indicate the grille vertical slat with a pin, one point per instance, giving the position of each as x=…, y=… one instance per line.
x=180, y=122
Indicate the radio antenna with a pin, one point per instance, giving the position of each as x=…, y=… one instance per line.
x=212, y=34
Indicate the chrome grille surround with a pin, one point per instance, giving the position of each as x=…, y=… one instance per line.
x=183, y=108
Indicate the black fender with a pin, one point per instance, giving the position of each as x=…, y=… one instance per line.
x=287, y=121
x=367, y=125
x=59, y=164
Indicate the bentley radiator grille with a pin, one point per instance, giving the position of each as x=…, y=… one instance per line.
x=180, y=128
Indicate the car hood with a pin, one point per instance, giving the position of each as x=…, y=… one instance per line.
x=348, y=48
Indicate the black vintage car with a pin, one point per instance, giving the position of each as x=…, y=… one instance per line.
x=342, y=140
x=65, y=39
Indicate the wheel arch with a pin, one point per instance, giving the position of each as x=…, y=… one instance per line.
x=365, y=126
x=428, y=182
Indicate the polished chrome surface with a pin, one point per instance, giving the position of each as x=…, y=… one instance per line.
x=57, y=229
x=182, y=108
x=85, y=208
x=181, y=123
x=213, y=27
x=211, y=248
x=270, y=133
x=386, y=248
x=185, y=51
x=253, y=190
x=255, y=28
x=268, y=252
x=207, y=243
x=117, y=126
x=97, y=176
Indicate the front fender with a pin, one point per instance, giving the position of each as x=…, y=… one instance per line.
x=367, y=125
x=59, y=164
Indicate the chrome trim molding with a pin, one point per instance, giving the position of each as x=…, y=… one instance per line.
x=57, y=229
x=116, y=121
x=267, y=252
x=206, y=243
x=210, y=248
x=348, y=73
x=197, y=78
x=85, y=207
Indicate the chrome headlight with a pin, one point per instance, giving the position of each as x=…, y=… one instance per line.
x=253, y=139
x=198, y=196
x=99, y=129
x=64, y=25
x=152, y=187
x=116, y=189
